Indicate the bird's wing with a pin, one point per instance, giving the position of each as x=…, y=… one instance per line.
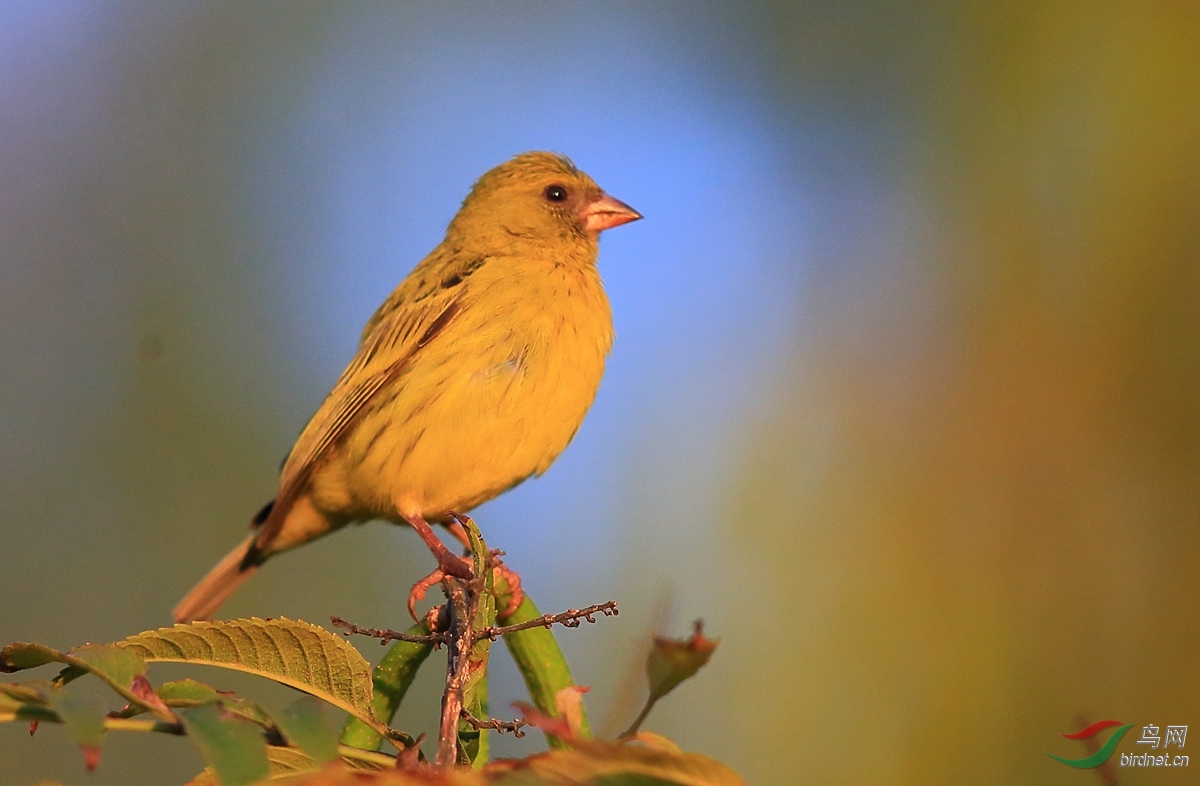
x=412, y=316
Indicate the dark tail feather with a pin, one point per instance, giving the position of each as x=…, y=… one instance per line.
x=215, y=588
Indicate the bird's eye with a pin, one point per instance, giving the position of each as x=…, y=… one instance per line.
x=555, y=193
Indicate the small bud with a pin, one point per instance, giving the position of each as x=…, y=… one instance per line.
x=672, y=661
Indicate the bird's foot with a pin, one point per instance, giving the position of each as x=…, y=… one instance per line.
x=501, y=572
x=417, y=593
x=447, y=562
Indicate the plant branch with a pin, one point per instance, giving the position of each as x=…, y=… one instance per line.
x=570, y=618
x=514, y=726
x=637, y=722
x=457, y=663
x=386, y=635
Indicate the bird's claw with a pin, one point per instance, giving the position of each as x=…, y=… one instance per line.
x=450, y=565
x=417, y=593
x=515, y=594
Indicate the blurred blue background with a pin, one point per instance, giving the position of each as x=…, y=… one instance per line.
x=904, y=401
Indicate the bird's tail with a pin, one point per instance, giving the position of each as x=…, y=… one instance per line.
x=215, y=588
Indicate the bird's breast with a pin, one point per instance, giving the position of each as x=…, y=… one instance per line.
x=540, y=362
x=494, y=399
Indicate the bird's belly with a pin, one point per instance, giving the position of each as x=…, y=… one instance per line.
x=453, y=435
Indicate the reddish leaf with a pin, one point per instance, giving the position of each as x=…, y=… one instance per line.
x=549, y=724
x=569, y=703
x=142, y=688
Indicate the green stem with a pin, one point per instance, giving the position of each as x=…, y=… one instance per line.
x=475, y=741
x=483, y=615
x=640, y=719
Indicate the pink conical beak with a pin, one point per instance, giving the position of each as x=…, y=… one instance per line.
x=606, y=213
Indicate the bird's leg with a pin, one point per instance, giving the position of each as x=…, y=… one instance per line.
x=516, y=595
x=448, y=564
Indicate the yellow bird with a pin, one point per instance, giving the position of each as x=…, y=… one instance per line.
x=474, y=374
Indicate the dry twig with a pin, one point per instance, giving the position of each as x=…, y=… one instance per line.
x=514, y=726
x=458, y=664
x=570, y=618
x=386, y=635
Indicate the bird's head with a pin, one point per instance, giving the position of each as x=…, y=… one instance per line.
x=538, y=197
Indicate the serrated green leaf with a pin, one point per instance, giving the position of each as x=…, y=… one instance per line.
x=307, y=726
x=295, y=653
x=234, y=748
